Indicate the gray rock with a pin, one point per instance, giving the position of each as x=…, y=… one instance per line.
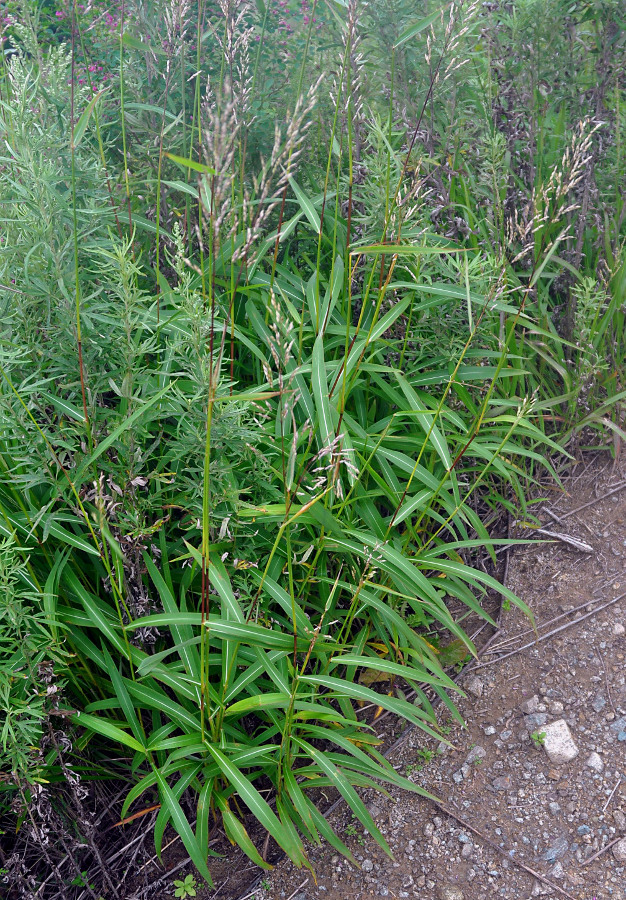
x=502, y=783
x=595, y=762
x=475, y=686
x=489, y=730
x=535, y=721
x=558, y=871
x=467, y=851
x=618, y=724
x=620, y=819
x=531, y=705
x=450, y=892
x=367, y=865
x=598, y=704
x=558, y=742
x=428, y=830
x=555, y=707
x=457, y=777
x=554, y=808
x=558, y=849
x=475, y=754
x=618, y=628
x=619, y=850
x=583, y=829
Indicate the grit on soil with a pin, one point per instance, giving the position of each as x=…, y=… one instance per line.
x=509, y=802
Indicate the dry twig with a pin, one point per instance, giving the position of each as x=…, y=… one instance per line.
x=600, y=852
x=544, y=637
x=611, y=795
x=578, y=509
x=502, y=851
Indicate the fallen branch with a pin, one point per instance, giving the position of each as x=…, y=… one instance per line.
x=567, y=539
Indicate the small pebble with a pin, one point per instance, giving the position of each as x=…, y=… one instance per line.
x=595, y=762
x=619, y=850
x=367, y=865
x=531, y=705
x=618, y=628
x=535, y=721
x=503, y=783
x=620, y=819
x=475, y=686
x=475, y=754
x=558, y=849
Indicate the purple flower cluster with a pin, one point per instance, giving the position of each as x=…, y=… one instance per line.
x=289, y=21
x=110, y=19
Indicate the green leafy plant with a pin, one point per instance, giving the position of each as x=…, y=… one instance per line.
x=538, y=738
x=186, y=887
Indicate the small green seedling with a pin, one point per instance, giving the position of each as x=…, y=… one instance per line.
x=81, y=881
x=426, y=756
x=266, y=884
x=352, y=830
x=538, y=738
x=186, y=888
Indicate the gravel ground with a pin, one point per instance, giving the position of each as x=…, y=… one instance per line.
x=556, y=803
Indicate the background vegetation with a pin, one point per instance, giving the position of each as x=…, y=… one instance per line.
x=298, y=298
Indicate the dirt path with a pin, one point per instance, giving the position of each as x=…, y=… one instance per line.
x=554, y=816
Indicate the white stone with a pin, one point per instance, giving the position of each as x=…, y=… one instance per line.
x=619, y=850
x=558, y=742
x=618, y=628
x=450, y=892
x=595, y=762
